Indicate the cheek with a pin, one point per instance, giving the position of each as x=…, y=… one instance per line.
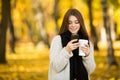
x=78, y=26
x=70, y=25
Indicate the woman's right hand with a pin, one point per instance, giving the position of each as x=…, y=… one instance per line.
x=71, y=45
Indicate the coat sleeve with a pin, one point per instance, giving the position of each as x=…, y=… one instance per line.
x=89, y=61
x=59, y=57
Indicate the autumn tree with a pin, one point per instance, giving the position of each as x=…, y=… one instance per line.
x=3, y=29
x=6, y=22
x=110, y=57
x=41, y=17
x=55, y=14
x=11, y=28
x=92, y=28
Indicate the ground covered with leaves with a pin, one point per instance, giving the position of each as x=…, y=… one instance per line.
x=31, y=62
x=102, y=71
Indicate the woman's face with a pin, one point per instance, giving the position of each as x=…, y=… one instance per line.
x=73, y=24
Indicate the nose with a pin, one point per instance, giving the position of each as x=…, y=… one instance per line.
x=73, y=25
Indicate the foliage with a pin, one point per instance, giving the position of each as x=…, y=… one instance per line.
x=38, y=14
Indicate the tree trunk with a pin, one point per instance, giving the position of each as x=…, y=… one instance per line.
x=55, y=14
x=30, y=31
x=92, y=31
x=110, y=58
x=40, y=12
x=12, y=35
x=3, y=30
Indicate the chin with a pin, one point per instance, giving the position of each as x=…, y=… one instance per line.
x=74, y=32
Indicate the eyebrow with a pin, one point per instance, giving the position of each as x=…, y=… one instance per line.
x=71, y=21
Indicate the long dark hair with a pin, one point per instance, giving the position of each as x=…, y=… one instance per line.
x=78, y=15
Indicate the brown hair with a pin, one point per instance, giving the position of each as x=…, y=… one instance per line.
x=78, y=15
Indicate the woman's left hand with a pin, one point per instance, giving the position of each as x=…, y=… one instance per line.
x=86, y=49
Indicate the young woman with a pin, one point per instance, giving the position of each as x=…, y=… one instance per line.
x=65, y=62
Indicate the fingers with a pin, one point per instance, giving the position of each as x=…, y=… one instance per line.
x=74, y=41
x=86, y=49
x=72, y=46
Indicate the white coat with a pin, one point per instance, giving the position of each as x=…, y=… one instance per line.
x=59, y=67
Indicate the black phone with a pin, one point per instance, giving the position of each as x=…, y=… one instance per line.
x=75, y=36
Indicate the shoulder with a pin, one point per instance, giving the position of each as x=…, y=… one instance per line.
x=56, y=42
x=56, y=39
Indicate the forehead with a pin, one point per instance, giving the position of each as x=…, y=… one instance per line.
x=72, y=17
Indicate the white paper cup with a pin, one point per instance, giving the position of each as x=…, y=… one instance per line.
x=82, y=43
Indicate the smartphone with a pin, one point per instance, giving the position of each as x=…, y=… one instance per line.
x=75, y=36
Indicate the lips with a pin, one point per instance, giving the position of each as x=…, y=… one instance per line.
x=73, y=29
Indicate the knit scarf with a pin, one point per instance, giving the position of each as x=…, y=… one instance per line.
x=77, y=68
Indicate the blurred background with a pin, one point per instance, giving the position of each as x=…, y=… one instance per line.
x=28, y=26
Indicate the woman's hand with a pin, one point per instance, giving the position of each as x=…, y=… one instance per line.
x=71, y=45
x=86, y=49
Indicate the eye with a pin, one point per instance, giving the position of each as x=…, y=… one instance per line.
x=77, y=22
x=69, y=22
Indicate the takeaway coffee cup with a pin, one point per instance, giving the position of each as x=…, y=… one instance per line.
x=82, y=43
